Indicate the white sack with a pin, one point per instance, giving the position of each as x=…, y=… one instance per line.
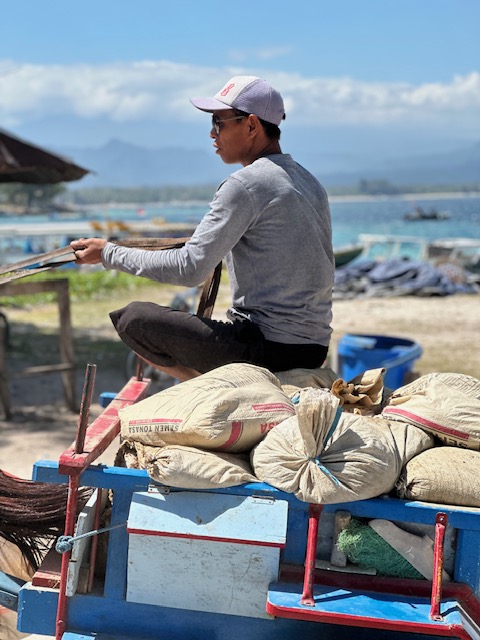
x=229, y=409
x=324, y=455
x=446, y=475
x=293, y=380
x=445, y=404
x=188, y=467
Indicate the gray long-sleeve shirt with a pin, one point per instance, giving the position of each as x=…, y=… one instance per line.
x=270, y=221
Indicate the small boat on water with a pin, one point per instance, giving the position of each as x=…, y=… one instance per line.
x=347, y=253
x=419, y=213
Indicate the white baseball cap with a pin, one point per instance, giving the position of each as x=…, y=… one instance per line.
x=249, y=94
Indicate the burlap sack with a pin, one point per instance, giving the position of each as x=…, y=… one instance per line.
x=447, y=475
x=293, y=380
x=188, y=467
x=324, y=455
x=445, y=404
x=8, y=625
x=13, y=562
x=409, y=439
x=363, y=394
x=230, y=409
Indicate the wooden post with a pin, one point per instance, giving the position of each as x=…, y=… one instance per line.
x=4, y=390
x=67, y=356
x=67, y=365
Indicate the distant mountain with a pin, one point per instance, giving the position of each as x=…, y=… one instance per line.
x=121, y=164
x=455, y=167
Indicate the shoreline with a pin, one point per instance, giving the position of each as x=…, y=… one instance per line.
x=447, y=195
x=7, y=210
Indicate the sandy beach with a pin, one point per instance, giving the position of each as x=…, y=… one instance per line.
x=42, y=427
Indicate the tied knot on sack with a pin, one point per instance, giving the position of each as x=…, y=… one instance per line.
x=363, y=394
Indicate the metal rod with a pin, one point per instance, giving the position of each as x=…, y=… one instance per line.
x=85, y=407
x=61, y=620
x=441, y=521
x=72, y=500
x=311, y=555
x=140, y=366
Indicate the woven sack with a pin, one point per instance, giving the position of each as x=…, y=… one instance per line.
x=293, y=380
x=448, y=475
x=188, y=467
x=324, y=455
x=445, y=404
x=229, y=409
x=363, y=394
x=13, y=562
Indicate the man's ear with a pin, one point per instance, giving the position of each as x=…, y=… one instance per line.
x=253, y=123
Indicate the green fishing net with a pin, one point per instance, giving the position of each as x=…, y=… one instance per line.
x=364, y=547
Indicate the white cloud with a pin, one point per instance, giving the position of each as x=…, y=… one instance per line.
x=161, y=90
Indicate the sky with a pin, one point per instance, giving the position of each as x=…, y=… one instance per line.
x=357, y=76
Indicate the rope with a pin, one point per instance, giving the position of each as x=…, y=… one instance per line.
x=65, y=543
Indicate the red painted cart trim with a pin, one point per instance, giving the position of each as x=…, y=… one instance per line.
x=460, y=592
x=311, y=615
x=103, y=430
x=188, y=536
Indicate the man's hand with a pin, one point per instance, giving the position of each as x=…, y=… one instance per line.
x=88, y=250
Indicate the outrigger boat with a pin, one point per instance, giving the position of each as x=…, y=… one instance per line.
x=238, y=563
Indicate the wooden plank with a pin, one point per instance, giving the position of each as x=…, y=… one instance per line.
x=57, y=257
x=153, y=244
x=85, y=523
x=43, y=369
x=48, y=573
x=29, y=288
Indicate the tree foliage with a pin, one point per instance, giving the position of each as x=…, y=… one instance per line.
x=141, y=195
x=30, y=197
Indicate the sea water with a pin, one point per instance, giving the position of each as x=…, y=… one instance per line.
x=385, y=216
x=350, y=217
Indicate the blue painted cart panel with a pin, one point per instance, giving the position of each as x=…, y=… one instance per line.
x=107, y=616
x=115, y=620
x=331, y=601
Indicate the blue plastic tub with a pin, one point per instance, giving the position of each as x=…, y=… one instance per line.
x=357, y=353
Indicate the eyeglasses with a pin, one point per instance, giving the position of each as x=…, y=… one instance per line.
x=216, y=122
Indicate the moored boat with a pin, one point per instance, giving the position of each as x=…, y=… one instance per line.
x=347, y=253
x=462, y=251
x=419, y=213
